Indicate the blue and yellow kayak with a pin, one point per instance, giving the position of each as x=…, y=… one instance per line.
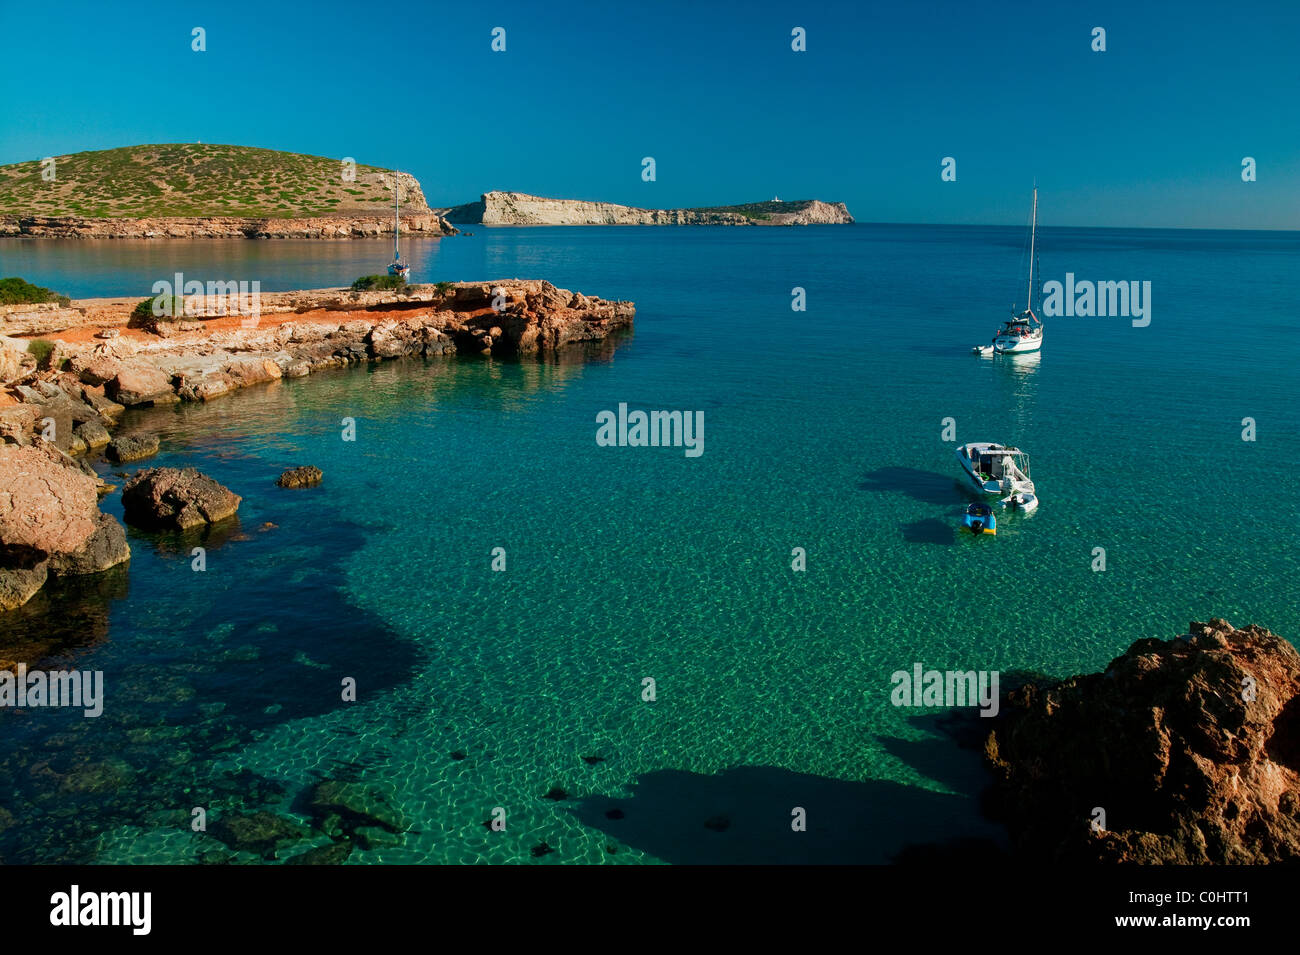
x=979, y=519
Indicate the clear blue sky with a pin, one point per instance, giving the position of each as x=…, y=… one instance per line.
x=1150, y=133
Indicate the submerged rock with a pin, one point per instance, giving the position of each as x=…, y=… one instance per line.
x=260, y=832
x=354, y=806
x=98, y=777
x=376, y=837
x=1182, y=751
x=336, y=853
x=307, y=476
x=176, y=498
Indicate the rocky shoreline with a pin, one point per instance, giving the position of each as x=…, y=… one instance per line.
x=1183, y=751
x=57, y=408
x=222, y=227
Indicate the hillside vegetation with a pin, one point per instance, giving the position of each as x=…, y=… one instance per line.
x=760, y=210
x=192, y=179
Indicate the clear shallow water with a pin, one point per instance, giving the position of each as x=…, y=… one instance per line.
x=822, y=431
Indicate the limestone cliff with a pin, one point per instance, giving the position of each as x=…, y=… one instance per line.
x=517, y=208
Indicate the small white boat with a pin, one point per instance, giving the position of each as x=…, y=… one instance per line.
x=1026, y=502
x=996, y=468
x=398, y=266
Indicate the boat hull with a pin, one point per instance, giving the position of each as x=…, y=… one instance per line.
x=1017, y=346
x=984, y=487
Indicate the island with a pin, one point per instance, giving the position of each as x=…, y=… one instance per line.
x=517, y=208
x=210, y=191
x=202, y=191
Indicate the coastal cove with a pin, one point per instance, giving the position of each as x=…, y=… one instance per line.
x=522, y=689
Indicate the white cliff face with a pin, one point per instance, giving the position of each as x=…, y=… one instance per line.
x=517, y=208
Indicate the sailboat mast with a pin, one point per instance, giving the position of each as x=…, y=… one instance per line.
x=397, y=217
x=1033, y=228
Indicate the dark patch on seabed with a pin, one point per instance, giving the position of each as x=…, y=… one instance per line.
x=928, y=487
x=744, y=815
x=174, y=706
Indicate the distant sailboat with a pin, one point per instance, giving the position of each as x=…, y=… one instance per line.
x=1020, y=333
x=398, y=266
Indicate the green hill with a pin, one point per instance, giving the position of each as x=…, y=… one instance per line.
x=761, y=210
x=192, y=179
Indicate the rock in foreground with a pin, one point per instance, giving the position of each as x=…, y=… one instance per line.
x=44, y=504
x=1191, y=747
x=176, y=498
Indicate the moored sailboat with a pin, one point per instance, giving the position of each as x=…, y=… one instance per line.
x=398, y=267
x=1021, y=333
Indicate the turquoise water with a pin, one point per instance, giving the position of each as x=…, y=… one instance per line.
x=823, y=430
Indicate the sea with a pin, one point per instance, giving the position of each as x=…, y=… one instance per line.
x=535, y=648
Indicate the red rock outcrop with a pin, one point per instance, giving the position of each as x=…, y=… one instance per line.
x=44, y=505
x=176, y=498
x=1190, y=747
x=50, y=523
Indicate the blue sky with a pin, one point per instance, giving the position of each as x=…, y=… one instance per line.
x=1151, y=132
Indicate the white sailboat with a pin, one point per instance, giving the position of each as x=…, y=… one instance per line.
x=398, y=266
x=1021, y=333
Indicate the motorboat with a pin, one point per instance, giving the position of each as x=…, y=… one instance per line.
x=995, y=468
